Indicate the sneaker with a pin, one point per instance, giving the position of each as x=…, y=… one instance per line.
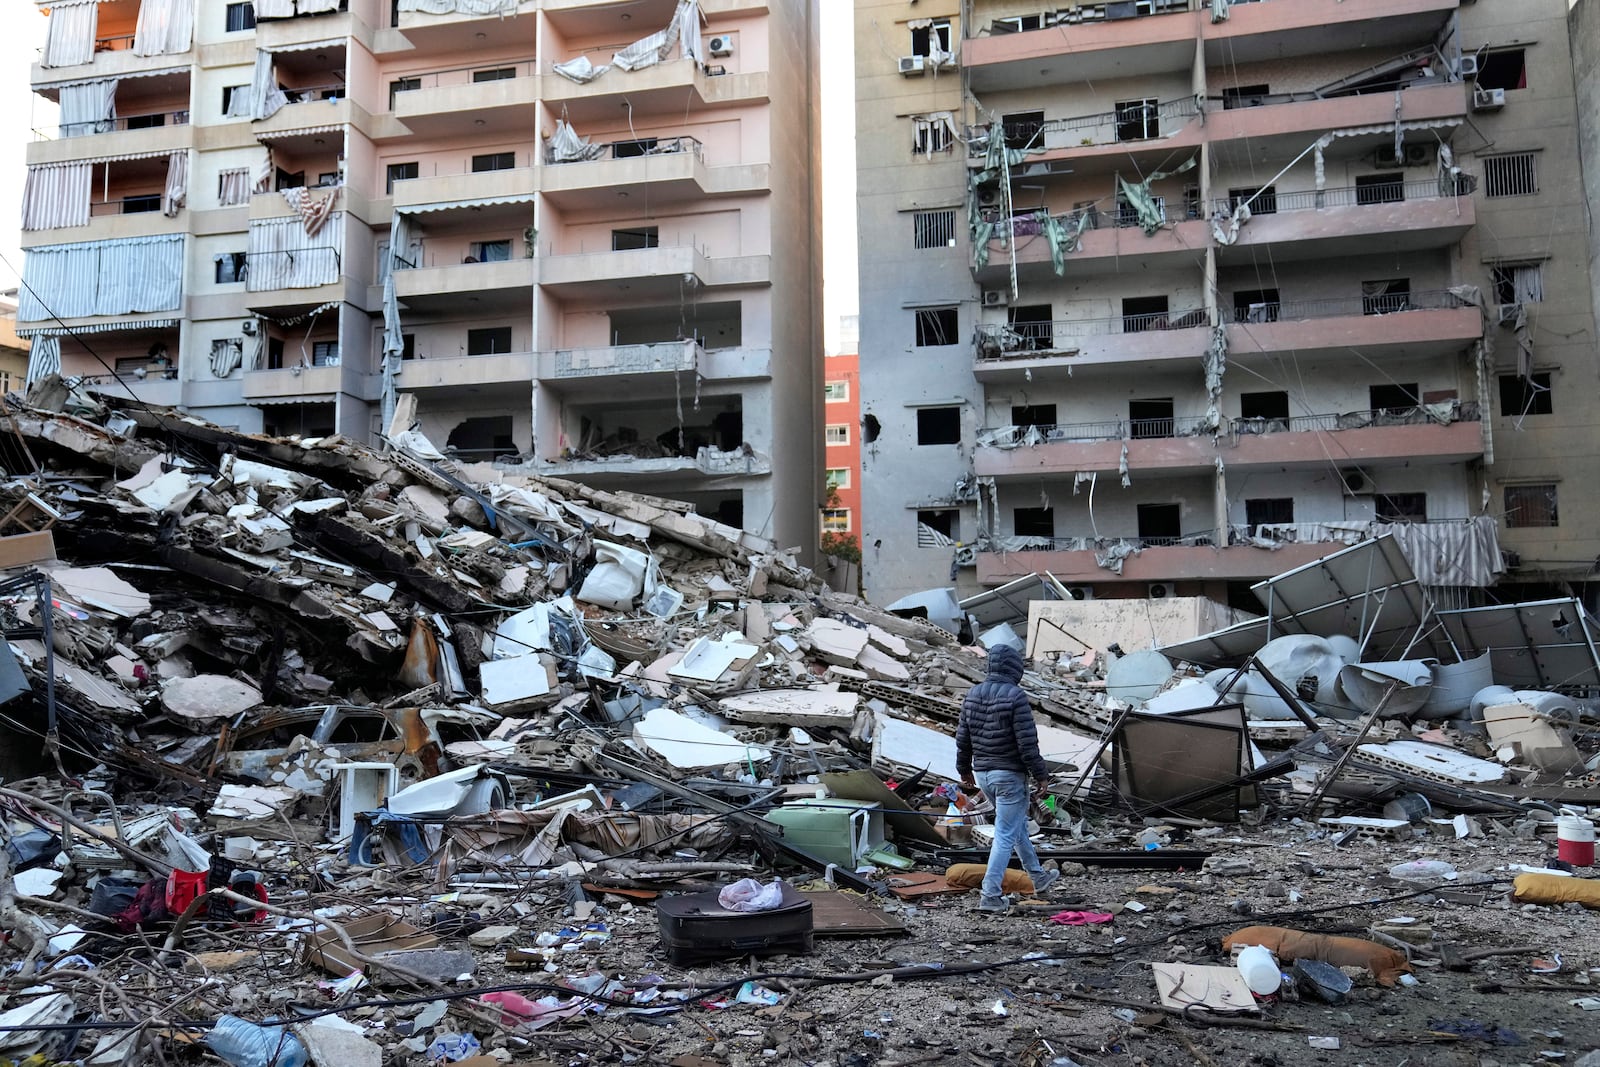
x=998, y=905
x=1046, y=879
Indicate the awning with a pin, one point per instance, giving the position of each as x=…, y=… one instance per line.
x=280, y=401
x=299, y=131
x=98, y=327
x=45, y=87
x=463, y=205
x=295, y=320
x=308, y=46
x=123, y=157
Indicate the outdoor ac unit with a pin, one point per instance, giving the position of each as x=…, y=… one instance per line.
x=1488, y=99
x=988, y=197
x=1467, y=66
x=1080, y=592
x=720, y=46
x=1355, y=480
x=1160, y=590
x=910, y=65
x=248, y=327
x=994, y=298
x=1508, y=314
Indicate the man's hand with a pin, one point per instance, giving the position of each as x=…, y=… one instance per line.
x=1041, y=789
x=969, y=782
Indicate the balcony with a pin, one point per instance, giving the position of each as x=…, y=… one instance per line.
x=438, y=288
x=664, y=89
x=1281, y=124
x=672, y=170
x=1259, y=31
x=1166, y=127
x=1072, y=561
x=1429, y=323
x=458, y=30
x=1034, y=351
x=465, y=373
x=309, y=109
x=1352, y=220
x=516, y=184
x=1107, y=235
x=313, y=384
x=114, y=57
x=649, y=273
x=114, y=140
x=157, y=389
x=498, y=104
x=1173, y=445
x=634, y=362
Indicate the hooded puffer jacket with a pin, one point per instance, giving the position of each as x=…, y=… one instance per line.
x=996, y=732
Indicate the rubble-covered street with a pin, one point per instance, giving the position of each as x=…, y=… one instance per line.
x=322, y=754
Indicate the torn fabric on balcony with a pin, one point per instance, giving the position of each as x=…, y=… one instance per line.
x=69, y=34
x=683, y=30
x=88, y=107
x=460, y=7
x=313, y=212
x=118, y=277
x=233, y=186
x=165, y=27
x=227, y=353
x=55, y=195
x=44, y=357
x=580, y=70
x=274, y=9
x=176, y=193
x=567, y=147
x=1150, y=213
x=265, y=96
x=280, y=258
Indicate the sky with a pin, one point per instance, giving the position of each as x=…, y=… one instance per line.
x=22, y=34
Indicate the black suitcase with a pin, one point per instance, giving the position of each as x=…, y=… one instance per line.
x=695, y=928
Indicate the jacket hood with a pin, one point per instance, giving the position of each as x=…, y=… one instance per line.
x=1005, y=664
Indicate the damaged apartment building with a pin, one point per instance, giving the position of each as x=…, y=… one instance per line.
x=580, y=236
x=1162, y=297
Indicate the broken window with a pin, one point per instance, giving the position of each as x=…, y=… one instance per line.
x=1033, y=522
x=1255, y=305
x=1244, y=96
x=642, y=146
x=835, y=391
x=1521, y=396
x=835, y=520
x=402, y=85
x=1150, y=418
x=489, y=252
x=398, y=172
x=1269, y=405
x=408, y=346
x=1510, y=175
x=494, y=161
x=1393, y=399
x=939, y=426
x=1385, y=295
x=1138, y=120
x=1381, y=188
x=325, y=353
x=1016, y=23
x=489, y=341
x=229, y=94
x=933, y=229
x=925, y=39
x=484, y=437
x=936, y=326
x=836, y=477
x=1401, y=507
x=229, y=267
x=635, y=238
x=1140, y=313
x=1518, y=283
x=836, y=435
x=1265, y=200
x=145, y=122
x=1032, y=322
x=945, y=522
x=494, y=74
x=1269, y=511
x=929, y=135
x=1041, y=415
x=1503, y=69
x=274, y=353
x=1160, y=524
x=1024, y=129
x=241, y=17
x=1531, y=505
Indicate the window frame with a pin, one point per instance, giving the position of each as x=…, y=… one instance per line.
x=1534, y=393
x=1525, y=491
x=239, y=264
x=843, y=388
x=479, y=250
x=493, y=335
x=403, y=84
x=1515, y=178
x=934, y=228
x=936, y=434
x=937, y=30
x=649, y=236
x=494, y=74
x=247, y=13
x=324, y=353
x=930, y=326
x=390, y=177
x=951, y=523
x=490, y=162
x=1144, y=113
x=829, y=482
x=839, y=430
x=833, y=514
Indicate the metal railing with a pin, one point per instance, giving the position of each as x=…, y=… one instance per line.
x=1338, y=307
x=1016, y=340
x=1332, y=531
x=1347, y=196
x=641, y=146
x=434, y=79
x=119, y=42
x=141, y=205
x=1105, y=430
x=1077, y=14
x=1127, y=126
x=311, y=94
x=121, y=122
x=1464, y=411
x=1026, y=543
x=255, y=283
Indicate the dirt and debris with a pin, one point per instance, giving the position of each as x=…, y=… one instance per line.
x=324, y=754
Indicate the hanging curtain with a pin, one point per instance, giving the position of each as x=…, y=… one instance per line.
x=313, y=212
x=683, y=30
x=315, y=7
x=264, y=173
x=69, y=36
x=90, y=107
x=176, y=193
x=135, y=274
x=567, y=147
x=56, y=194
x=403, y=250
x=233, y=186
x=265, y=96
x=44, y=357
x=1528, y=281
x=580, y=70
x=165, y=27
x=274, y=9
x=227, y=353
x=280, y=258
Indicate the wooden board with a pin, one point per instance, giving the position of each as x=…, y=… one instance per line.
x=915, y=884
x=836, y=914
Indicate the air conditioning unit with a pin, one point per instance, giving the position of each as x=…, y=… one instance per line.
x=1508, y=314
x=994, y=298
x=248, y=327
x=1355, y=480
x=988, y=197
x=1488, y=99
x=1080, y=592
x=720, y=46
x=1467, y=67
x=1160, y=590
x=910, y=65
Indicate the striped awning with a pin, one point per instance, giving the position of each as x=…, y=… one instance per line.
x=295, y=320
x=463, y=205
x=299, y=131
x=50, y=86
x=98, y=327
x=278, y=401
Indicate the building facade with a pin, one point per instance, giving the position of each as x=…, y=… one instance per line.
x=1165, y=297
x=580, y=238
x=841, y=436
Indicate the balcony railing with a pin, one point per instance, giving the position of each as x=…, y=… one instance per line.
x=152, y=120
x=1020, y=340
x=1422, y=415
x=641, y=146
x=1194, y=425
x=1269, y=203
x=1128, y=125
x=1026, y=543
x=1105, y=430
x=308, y=94
x=1338, y=307
x=1109, y=11
x=133, y=205
x=477, y=74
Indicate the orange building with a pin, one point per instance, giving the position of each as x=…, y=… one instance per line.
x=841, y=438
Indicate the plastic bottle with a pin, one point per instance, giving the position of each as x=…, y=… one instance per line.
x=244, y=1044
x=1260, y=970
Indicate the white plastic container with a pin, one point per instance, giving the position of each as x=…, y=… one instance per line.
x=1260, y=970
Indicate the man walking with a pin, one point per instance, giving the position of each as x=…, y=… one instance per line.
x=997, y=739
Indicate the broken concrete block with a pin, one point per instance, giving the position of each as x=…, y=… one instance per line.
x=835, y=642
x=208, y=697
x=333, y=1042
x=490, y=936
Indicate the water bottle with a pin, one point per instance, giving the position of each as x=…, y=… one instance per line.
x=244, y=1044
x=1260, y=970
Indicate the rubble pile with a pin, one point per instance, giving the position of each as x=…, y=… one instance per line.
x=321, y=753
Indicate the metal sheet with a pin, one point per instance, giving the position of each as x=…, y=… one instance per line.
x=1009, y=602
x=1227, y=645
x=1541, y=644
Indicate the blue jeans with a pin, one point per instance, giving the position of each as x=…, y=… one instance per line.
x=1008, y=790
